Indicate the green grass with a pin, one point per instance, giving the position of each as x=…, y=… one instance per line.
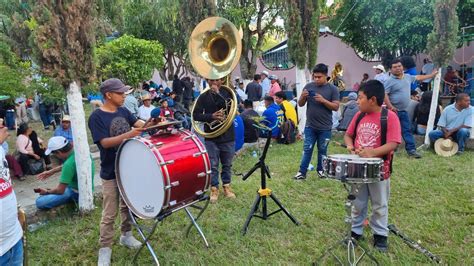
x=431, y=201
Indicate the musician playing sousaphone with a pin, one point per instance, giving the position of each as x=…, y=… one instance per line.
x=214, y=48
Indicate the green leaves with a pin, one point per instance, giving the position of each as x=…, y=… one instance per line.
x=129, y=59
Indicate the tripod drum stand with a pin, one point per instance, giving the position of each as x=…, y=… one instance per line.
x=264, y=193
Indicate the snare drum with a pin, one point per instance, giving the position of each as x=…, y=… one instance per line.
x=162, y=172
x=351, y=168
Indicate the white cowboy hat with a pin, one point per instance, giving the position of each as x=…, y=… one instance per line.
x=445, y=147
x=379, y=67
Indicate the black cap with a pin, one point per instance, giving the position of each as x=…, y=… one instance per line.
x=113, y=85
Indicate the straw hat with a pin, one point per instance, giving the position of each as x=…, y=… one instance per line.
x=445, y=147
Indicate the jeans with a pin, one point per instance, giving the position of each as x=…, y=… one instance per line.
x=14, y=256
x=54, y=200
x=223, y=153
x=420, y=130
x=311, y=136
x=459, y=137
x=406, y=131
x=45, y=115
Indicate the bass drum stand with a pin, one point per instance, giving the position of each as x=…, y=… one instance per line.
x=142, y=229
x=348, y=241
x=263, y=193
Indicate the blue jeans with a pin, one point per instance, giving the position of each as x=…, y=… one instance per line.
x=45, y=115
x=14, y=256
x=223, y=153
x=54, y=200
x=311, y=136
x=459, y=137
x=406, y=131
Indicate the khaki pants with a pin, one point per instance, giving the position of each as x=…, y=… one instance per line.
x=112, y=200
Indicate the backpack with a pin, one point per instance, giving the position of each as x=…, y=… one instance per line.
x=383, y=133
x=287, y=130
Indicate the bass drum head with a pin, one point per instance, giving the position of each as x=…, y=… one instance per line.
x=140, y=179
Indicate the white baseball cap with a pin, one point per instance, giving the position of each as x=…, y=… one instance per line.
x=379, y=67
x=56, y=143
x=265, y=73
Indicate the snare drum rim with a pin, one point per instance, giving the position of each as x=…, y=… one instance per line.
x=119, y=183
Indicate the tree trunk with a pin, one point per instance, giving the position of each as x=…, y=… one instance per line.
x=300, y=83
x=433, y=106
x=81, y=148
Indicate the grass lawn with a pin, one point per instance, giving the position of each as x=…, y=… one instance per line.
x=431, y=201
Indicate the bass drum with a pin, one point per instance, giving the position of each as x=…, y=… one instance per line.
x=160, y=173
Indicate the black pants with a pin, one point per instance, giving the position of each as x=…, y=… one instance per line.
x=24, y=158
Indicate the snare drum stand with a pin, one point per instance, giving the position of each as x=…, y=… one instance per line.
x=160, y=217
x=348, y=241
x=263, y=193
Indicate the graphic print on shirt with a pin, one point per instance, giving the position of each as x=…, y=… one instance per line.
x=5, y=181
x=367, y=134
x=118, y=126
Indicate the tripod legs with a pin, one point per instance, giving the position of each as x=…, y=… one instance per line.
x=262, y=196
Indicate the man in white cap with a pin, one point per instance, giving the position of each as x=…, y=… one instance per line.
x=67, y=190
x=265, y=83
x=65, y=129
x=275, y=86
x=380, y=74
x=131, y=103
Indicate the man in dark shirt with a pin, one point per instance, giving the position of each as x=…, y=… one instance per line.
x=110, y=125
x=249, y=115
x=188, y=92
x=322, y=98
x=254, y=91
x=208, y=108
x=178, y=87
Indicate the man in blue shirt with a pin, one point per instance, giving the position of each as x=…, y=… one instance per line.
x=65, y=129
x=272, y=116
x=455, y=122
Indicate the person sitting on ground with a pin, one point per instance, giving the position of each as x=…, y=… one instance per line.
x=24, y=146
x=414, y=101
x=182, y=114
x=67, y=190
x=145, y=110
x=422, y=113
x=455, y=122
x=348, y=111
x=65, y=129
x=250, y=118
x=131, y=102
x=272, y=116
x=171, y=99
x=166, y=111
x=365, y=140
x=13, y=164
x=289, y=110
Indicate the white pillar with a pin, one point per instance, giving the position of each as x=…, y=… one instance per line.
x=433, y=106
x=300, y=83
x=81, y=148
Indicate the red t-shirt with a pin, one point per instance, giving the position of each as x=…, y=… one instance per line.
x=369, y=133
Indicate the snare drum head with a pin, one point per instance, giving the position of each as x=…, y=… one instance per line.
x=353, y=157
x=140, y=179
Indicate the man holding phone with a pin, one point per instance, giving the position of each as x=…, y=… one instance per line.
x=67, y=190
x=322, y=98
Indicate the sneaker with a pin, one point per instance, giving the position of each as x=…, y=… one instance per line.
x=414, y=154
x=380, y=243
x=459, y=153
x=299, y=176
x=321, y=174
x=105, y=254
x=129, y=241
x=53, y=124
x=228, y=193
x=357, y=237
x=214, y=194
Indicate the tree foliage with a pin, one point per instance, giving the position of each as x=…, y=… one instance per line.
x=465, y=11
x=13, y=72
x=14, y=19
x=302, y=27
x=442, y=41
x=385, y=30
x=257, y=20
x=64, y=40
x=129, y=59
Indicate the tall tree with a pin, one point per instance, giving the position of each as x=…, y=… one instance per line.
x=14, y=21
x=302, y=26
x=64, y=43
x=385, y=30
x=442, y=42
x=257, y=20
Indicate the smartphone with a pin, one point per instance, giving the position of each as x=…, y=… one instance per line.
x=36, y=190
x=312, y=93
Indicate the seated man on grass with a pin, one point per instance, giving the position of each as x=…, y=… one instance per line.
x=67, y=189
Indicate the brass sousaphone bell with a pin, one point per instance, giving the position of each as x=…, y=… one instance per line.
x=214, y=48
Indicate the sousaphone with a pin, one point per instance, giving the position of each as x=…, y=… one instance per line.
x=214, y=48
